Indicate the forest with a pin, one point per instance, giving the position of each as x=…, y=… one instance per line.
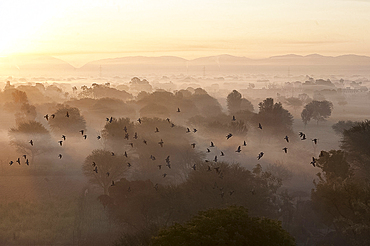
x=142, y=161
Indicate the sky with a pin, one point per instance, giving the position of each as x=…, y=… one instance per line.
x=79, y=31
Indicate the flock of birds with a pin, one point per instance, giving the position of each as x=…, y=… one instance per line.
x=161, y=143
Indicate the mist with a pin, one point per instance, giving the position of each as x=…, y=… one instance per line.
x=102, y=157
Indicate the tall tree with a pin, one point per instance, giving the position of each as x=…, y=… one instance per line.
x=234, y=101
x=67, y=120
x=316, y=110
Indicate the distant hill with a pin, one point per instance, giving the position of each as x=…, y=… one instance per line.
x=166, y=65
x=34, y=65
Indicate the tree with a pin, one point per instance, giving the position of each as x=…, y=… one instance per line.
x=317, y=110
x=356, y=141
x=27, y=131
x=246, y=105
x=72, y=124
x=342, y=125
x=234, y=101
x=341, y=199
x=101, y=167
x=228, y=226
x=274, y=118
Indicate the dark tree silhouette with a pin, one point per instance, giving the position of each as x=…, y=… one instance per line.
x=316, y=110
x=27, y=131
x=341, y=126
x=61, y=124
x=234, y=101
x=108, y=168
x=227, y=226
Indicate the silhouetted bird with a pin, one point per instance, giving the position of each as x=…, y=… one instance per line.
x=208, y=150
x=53, y=116
x=111, y=119
x=64, y=137
x=60, y=142
x=303, y=137
x=161, y=143
x=60, y=156
x=31, y=142
x=96, y=170
x=132, y=145
x=195, y=130
x=259, y=126
x=168, y=165
x=167, y=159
x=46, y=117
x=135, y=135
x=187, y=130
x=178, y=110
x=156, y=129
x=234, y=119
x=125, y=129
x=82, y=132
x=229, y=136
x=193, y=145
x=321, y=153
x=112, y=183
x=314, y=140
x=93, y=164
x=301, y=134
x=98, y=137
x=194, y=167
x=222, y=153
x=84, y=136
x=287, y=139
x=285, y=150
x=67, y=115
x=125, y=154
x=172, y=125
x=126, y=136
x=139, y=120
x=164, y=175
x=19, y=161
x=112, y=153
x=260, y=155
x=11, y=163
x=212, y=145
x=168, y=120
x=108, y=174
x=159, y=167
x=215, y=160
x=129, y=164
x=239, y=149
x=27, y=162
x=145, y=142
x=25, y=156
x=244, y=143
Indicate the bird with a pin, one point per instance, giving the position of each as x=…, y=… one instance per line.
x=135, y=135
x=60, y=156
x=167, y=159
x=215, y=160
x=314, y=140
x=209, y=168
x=234, y=119
x=93, y=164
x=156, y=129
x=168, y=120
x=168, y=165
x=25, y=156
x=27, y=162
x=161, y=143
x=229, y=136
x=64, y=137
x=159, y=167
x=125, y=129
x=108, y=174
x=98, y=137
x=194, y=167
x=260, y=155
x=244, y=143
x=111, y=119
x=112, y=153
x=231, y=192
x=303, y=137
x=172, y=125
x=46, y=117
x=53, y=116
x=301, y=134
x=222, y=153
x=287, y=139
x=129, y=164
x=31, y=142
x=96, y=170
x=193, y=145
x=127, y=136
x=18, y=160
x=112, y=183
x=125, y=154
x=82, y=132
x=187, y=130
x=139, y=120
x=178, y=110
x=212, y=145
x=67, y=115
x=164, y=175
x=285, y=149
x=145, y=142
x=84, y=136
x=239, y=149
x=132, y=145
x=11, y=163
x=195, y=130
x=208, y=150
x=259, y=126
x=60, y=142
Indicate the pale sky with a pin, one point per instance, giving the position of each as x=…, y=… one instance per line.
x=79, y=31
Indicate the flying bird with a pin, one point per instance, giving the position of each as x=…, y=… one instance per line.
x=178, y=110
x=287, y=139
x=194, y=167
x=25, y=156
x=303, y=137
x=285, y=150
x=156, y=129
x=244, y=143
x=96, y=170
x=234, y=119
x=161, y=143
x=60, y=142
x=260, y=155
x=229, y=136
x=159, y=167
x=315, y=140
x=239, y=149
x=139, y=120
x=46, y=117
x=27, y=162
x=208, y=150
x=60, y=156
x=215, y=160
x=193, y=145
x=31, y=142
x=195, y=130
x=82, y=132
x=11, y=163
x=67, y=115
x=187, y=130
x=212, y=145
x=18, y=160
x=64, y=137
x=259, y=126
x=125, y=154
x=53, y=116
x=145, y=142
x=98, y=137
x=222, y=153
x=84, y=136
